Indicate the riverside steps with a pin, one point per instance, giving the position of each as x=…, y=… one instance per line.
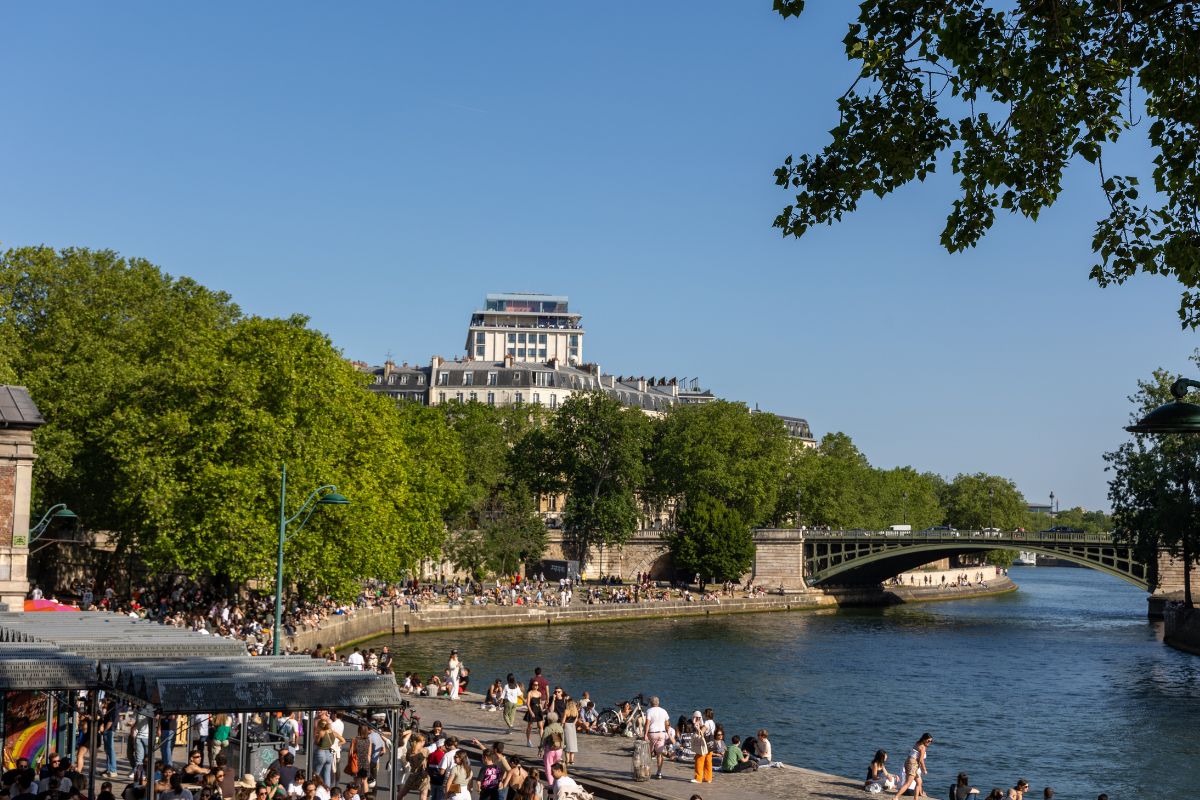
x=370, y=623
x=603, y=764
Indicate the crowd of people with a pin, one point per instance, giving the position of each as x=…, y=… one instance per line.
x=912, y=778
x=249, y=617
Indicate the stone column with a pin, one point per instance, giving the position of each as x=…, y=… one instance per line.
x=779, y=559
x=16, y=483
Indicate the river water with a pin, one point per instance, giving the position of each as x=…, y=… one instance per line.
x=1064, y=683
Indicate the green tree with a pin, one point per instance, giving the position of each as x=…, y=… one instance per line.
x=711, y=540
x=1015, y=91
x=594, y=450
x=1154, y=491
x=722, y=450
x=837, y=484
x=908, y=497
x=1002, y=558
x=169, y=414
x=984, y=501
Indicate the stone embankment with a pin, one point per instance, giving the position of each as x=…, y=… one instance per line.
x=1181, y=628
x=370, y=623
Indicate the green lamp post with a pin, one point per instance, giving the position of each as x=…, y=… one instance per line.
x=57, y=511
x=326, y=495
x=1175, y=417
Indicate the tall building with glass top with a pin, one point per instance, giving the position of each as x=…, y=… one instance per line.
x=527, y=327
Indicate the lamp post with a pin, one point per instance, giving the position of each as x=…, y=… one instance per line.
x=1175, y=417
x=1051, y=511
x=904, y=511
x=991, y=497
x=326, y=495
x=57, y=511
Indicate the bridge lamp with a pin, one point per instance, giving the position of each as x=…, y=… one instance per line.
x=1174, y=417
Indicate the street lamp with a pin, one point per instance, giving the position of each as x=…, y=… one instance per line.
x=904, y=512
x=1051, y=511
x=1174, y=417
x=326, y=495
x=991, y=496
x=57, y=511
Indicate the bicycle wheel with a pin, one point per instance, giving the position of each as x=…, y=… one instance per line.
x=608, y=723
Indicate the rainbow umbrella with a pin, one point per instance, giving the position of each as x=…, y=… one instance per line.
x=47, y=605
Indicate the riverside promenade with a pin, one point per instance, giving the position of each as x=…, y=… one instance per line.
x=603, y=764
x=366, y=624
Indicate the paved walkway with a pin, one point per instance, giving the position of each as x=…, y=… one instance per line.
x=609, y=758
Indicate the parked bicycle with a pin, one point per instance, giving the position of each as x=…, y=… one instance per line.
x=628, y=719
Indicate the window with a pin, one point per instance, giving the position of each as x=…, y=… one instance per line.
x=574, y=340
x=575, y=353
x=516, y=377
x=537, y=398
x=520, y=352
x=478, y=337
x=491, y=398
x=517, y=398
x=512, y=338
x=479, y=350
x=552, y=502
x=542, y=352
x=441, y=397
x=520, y=338
x=404, y=380
x=443, y=379
x=491, y=379
x=421, y=379
x=554, y=401
x=458, y=396
x=378, y=379
x=512, y=351
x=391, y=379
x=541, y=338
x=541, y=378
x=474, y=397
x=468, y=378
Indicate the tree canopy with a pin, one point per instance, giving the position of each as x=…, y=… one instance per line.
x=711, y=540
x=1015, y=92
x=169, y=413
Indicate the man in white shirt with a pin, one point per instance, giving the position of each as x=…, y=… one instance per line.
x=356, y=660
x=564, y=784
x=658, y=721
x=339, y=727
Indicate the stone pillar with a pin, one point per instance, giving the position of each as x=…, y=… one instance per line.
x=779, y=559
x=16, y=483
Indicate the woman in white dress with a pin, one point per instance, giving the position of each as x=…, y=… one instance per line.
x=454, y=667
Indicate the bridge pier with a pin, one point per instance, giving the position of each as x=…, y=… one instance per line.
x=779, y=560
x=1170, y=585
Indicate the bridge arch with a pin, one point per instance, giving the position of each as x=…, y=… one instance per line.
x=868, y=561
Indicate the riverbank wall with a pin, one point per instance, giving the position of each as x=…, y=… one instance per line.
x=1181, y=628
x=395, y=620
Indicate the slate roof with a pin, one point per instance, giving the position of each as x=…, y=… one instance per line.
x=17, y=409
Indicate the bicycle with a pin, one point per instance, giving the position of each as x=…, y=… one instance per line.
x=628, y=720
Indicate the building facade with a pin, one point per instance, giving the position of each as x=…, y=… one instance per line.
x=525, y=327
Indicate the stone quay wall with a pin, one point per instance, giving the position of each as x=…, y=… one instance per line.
x=1181, y=628
x=371, y=623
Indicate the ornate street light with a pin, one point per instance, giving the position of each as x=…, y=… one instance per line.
x=1174, y=417
x=326, y=495
x=57, y=511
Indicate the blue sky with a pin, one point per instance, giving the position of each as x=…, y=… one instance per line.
x=380, y=166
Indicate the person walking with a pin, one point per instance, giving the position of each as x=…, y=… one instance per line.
x=511, y=696
x=454, y=668
x=108, y=729
x=552, y=744
x=702, y=751
x=534, y=712
x=657, y=723
x=325, y=739
x=914, y=766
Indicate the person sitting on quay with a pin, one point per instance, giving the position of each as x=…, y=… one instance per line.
x=962, y=788
x=735, y=760
x=765, y=754
x=1018, y=791
x=878, y=778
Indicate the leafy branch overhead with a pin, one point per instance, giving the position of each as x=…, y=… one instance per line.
x=1015, y=94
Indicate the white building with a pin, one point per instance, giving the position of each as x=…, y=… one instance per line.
x=526, y=327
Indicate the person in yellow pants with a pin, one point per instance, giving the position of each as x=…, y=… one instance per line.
x=700, y=747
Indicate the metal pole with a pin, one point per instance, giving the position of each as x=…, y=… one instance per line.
x=391, y=752
x=279, y=563
x=154, y=733
x=309, y=720
x=51, y=742
x=242, y=767
x=93, y=711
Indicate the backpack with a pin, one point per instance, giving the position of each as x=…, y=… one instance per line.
x=553, y=742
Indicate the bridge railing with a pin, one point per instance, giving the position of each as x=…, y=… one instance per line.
x=1000, y=538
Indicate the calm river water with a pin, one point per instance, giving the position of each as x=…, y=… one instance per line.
x=1064, y=683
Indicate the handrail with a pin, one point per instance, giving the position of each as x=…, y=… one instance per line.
x=1001, y=537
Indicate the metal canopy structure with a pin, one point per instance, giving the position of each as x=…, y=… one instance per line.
x=40, y=667
x=277, y=683
x=174, y=670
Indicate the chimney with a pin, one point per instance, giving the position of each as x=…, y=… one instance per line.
x=641, y=384
x=509, y=360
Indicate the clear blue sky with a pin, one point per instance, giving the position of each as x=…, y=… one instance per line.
x=380, y=166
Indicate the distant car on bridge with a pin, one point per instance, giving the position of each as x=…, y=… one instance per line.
x=943, y=529
x=1063, y=529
